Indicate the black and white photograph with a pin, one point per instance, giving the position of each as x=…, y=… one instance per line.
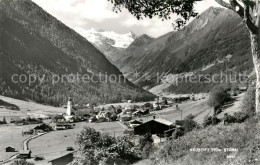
x=129, y=82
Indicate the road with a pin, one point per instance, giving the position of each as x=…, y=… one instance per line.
x=26, y=142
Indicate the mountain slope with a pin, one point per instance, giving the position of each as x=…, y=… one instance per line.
x=211, y=37
x=108, y=42
x=32, y=42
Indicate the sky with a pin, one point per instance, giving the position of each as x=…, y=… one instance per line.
x=89, y=14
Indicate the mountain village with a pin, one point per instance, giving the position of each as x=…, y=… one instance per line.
x=157, y=116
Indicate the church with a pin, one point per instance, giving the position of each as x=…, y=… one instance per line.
x=71, y=111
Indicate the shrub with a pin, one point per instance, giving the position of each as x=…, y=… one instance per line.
x=240, y=117
x=146, y=145
x=189, y=124
x=210, y=121
x=178, y=133
x=147, y=150
x=229, y=119
x=248, y=102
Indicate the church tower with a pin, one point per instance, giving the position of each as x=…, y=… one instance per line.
x=69, y=106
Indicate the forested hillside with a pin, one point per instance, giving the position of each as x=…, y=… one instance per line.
x=32, y=42
x=217, y=40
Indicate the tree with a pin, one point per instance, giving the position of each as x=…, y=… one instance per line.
x=189, y=124
x=97, y=148
x=165, y=102
x=248, y=10
x=217, y=97
x=4, y=120
x=248, y=102
x=146, y=145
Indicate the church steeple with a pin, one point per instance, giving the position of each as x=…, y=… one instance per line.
x=69, y=106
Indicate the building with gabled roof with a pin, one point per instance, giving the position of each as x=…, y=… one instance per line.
x=134, y=123
x=25, y=154
x=155, y=126
x=9, y=149
x=63, y=160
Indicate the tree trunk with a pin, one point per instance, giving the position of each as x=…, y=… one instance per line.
x=256, y=60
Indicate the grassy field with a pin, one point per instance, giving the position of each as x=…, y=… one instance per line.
x=11, y=135
x=54, y=144
x=27, y=109
x=199, y=109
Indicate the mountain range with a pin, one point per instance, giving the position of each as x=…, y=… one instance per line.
x=108, y=42
x=32, y=42
x=217, y=40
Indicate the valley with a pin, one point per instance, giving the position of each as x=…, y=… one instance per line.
x=42, y=46
x=207, y=45
x=97, y=96
x=55, y=143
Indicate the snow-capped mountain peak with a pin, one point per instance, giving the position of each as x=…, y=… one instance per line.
x=100, y=37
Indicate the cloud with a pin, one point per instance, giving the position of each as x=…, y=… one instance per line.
x=98, y=14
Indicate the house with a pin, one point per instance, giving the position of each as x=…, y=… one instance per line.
x=141, y=112
x=137, y=113
x=155, y=126
x=157, y=140
x=63, y=126
x=145, y=111
x=147, y=105
x=125, y=117
x=119, y=110
x=134, y=123
x=58, y=118
x=25, y=154
x=63, y=160
x=242, y=88
x=104, y=114
x=38, y=131
x=92, y=119
x=29, y=132
x=157, y=106
x=9, y=149
x=97, y=109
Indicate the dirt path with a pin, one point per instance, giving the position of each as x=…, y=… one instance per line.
x=26, y=142
x=25, y=146
x=9, y=160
